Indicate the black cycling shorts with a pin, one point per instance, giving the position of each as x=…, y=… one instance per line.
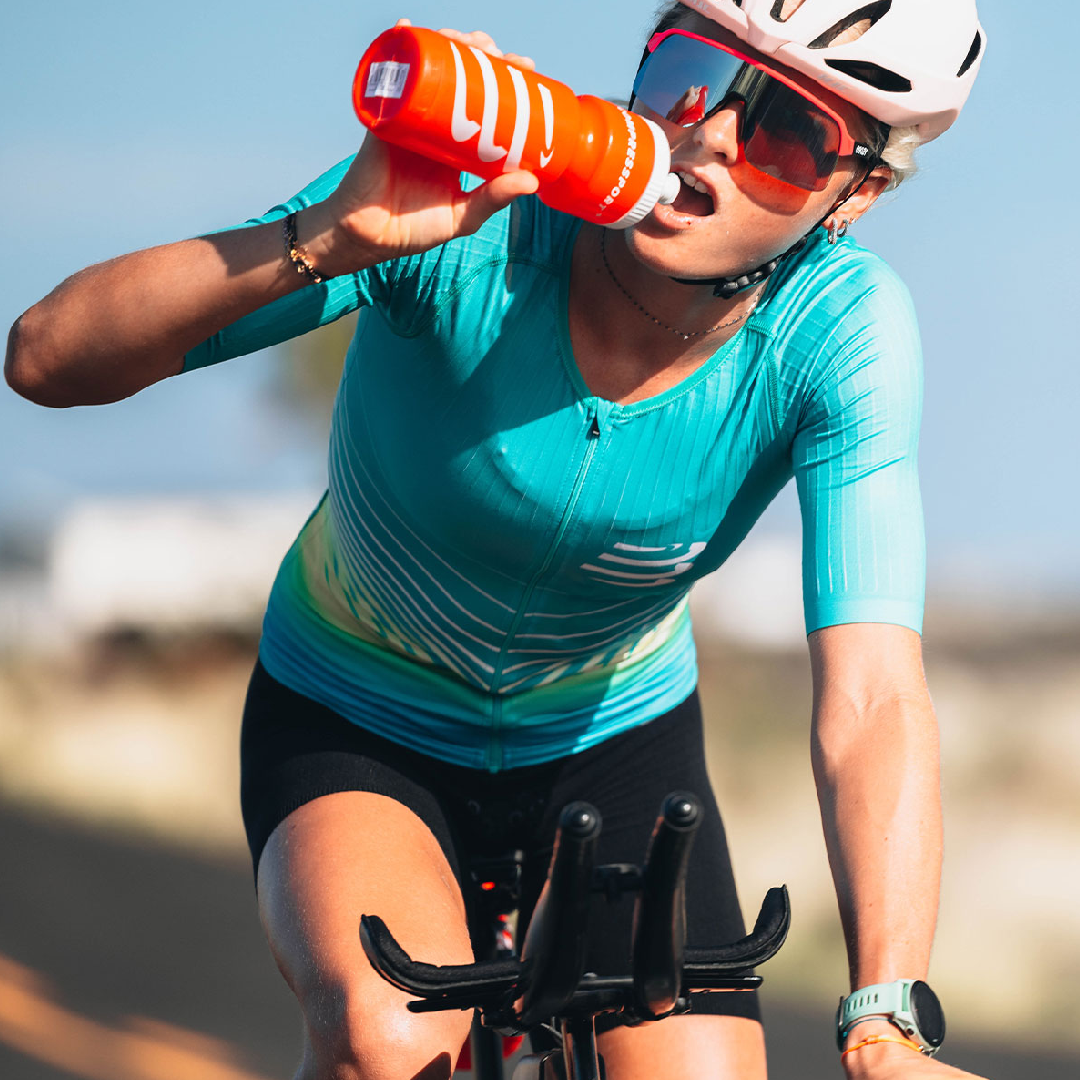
x=294, y=750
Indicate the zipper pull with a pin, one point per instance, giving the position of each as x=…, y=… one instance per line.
x=594, y=427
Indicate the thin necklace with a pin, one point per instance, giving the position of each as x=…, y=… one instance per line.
x=671, y=329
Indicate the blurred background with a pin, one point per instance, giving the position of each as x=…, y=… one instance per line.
x=129, y=944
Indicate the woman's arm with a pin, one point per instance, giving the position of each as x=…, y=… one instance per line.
x=112, y=329
x=875, y=757
x=876, y=764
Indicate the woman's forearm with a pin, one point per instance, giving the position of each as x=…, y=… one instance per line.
x=114, y=328
x=877, y=771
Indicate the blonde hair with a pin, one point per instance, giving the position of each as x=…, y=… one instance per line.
x=899, y=155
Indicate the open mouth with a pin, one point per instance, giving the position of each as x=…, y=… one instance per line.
x=691, y=200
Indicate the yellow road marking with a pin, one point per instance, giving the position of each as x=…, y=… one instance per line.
x=32, y=1022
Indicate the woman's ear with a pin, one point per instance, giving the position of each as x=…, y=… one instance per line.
x=861, y=199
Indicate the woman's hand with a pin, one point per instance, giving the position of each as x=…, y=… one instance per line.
x=393, y=202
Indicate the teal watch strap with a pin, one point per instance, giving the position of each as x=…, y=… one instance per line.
x=896, y=1003
x=881, y=999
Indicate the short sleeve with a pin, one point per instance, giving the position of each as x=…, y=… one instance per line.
x=855, y=462
x=300, y=311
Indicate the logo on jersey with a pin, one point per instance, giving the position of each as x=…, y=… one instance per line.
x=644, y=567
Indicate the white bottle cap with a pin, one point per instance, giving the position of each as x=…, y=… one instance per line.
x=662, y=181
x=669, y=190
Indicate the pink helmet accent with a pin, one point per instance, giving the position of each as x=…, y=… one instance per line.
x=914, y=66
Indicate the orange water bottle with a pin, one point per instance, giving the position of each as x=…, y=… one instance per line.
x=456, y=104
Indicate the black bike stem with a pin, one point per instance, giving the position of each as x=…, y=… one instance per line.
x=487, y=1051
x=580, y=1059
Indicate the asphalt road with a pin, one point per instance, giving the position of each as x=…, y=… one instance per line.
x=124, y=961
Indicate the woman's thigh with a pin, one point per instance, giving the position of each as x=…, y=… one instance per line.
x=332, y=860
x=704, y=1047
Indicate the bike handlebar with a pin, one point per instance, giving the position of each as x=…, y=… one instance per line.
x=479, y=983
x=550, y=980
x=703, y=966
x=660, y=910
x=553, y=956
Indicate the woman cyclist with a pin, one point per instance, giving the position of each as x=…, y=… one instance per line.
x=545, y=432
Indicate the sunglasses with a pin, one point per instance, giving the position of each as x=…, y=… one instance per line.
x=786, y=132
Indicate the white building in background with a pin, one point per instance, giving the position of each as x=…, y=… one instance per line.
x=27, y=620
x=756, y=596
x=165, y=565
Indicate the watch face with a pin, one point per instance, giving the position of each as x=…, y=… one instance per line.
x=926, y=1009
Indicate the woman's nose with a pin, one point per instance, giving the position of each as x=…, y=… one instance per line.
x=719, y=133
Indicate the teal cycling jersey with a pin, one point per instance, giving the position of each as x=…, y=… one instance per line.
x=498, y=573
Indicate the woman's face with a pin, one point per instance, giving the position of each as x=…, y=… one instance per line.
x=744, y=218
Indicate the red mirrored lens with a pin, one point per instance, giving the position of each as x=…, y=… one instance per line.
x=786, y=136
x=785, y=155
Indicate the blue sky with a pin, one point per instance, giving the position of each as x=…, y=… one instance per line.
x=126, y=124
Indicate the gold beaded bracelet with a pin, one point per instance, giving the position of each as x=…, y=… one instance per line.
x=297, y=257
x=871, y=1039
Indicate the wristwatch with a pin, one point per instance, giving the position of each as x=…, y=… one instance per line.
x=909, y=1004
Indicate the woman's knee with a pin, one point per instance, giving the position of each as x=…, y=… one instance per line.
x=330, y=861
x=355, y=1036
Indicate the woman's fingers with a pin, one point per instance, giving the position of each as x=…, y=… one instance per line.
x=525, y=62
x=486, y=43
x=478, y=205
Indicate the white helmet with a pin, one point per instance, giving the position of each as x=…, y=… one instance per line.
x=914, y=66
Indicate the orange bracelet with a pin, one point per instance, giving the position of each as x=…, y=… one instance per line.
x=880, y=1039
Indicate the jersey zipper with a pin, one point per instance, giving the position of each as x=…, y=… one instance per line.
x=592, y=437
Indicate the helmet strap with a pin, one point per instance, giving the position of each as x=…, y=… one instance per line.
x=727, y=287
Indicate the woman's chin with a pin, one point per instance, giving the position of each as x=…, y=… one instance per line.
x=673, y=257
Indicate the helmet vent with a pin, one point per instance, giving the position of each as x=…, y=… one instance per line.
x=778, y=9
x=973, y=54
x=873, y=74
x=860, y=21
